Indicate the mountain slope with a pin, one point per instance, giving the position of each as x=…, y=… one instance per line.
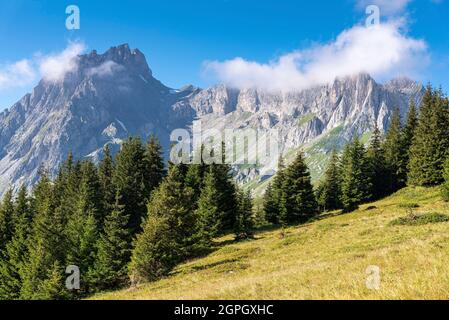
x=113, y=95
x=324, y=259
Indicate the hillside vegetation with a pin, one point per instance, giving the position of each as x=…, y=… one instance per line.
x=324, y=259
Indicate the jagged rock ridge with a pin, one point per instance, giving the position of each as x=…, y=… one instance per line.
x=113, y=95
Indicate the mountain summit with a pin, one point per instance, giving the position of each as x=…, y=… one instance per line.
x=105, y=99
x=111, y=96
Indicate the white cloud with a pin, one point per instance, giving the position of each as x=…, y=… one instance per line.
x=17, y=74
x=55, y=67
x=106, y=69
x=50, y=67
x=380, y=50
x=387, y=7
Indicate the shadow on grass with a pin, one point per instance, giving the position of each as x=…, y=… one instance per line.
x=214, y=264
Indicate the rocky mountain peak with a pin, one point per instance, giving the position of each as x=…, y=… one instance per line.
x=118, y=57
x=113, y=95
x=402, y=84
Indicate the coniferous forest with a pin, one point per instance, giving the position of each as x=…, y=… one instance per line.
x=132, y=218
x=127, y=219
x=414, y=151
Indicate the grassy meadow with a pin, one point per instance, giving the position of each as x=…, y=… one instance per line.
x=325, y=259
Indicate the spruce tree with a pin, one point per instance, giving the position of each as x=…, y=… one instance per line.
x=129, y=179
x=113, y=250
x=208, y=211
x=330, y=192
x=431, y=142
x=270, y=205
x=66, y=187
x=92, y=192
x=409, y=134
x=379, y=175
x=355, y=184
x=173, y=199
x=81, y=232
x=52, y=287
x=156, y=251
x=16, y=255
x=6, y=221
x=195, y=179
x=298, y=202
x=180, y=172
x=169, y=231
x=227, y=192
x=105, y=174
x=394, y=153
x=245, y=221
x=46, y=246
x=273, y=196
x=154, y=165
x=22, y=209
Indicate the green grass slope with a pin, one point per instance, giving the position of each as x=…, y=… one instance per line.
x=325, y=259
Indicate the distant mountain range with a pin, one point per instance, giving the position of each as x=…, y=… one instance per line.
x=114, y=95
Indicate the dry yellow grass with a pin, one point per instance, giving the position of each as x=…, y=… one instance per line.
x=325, y=259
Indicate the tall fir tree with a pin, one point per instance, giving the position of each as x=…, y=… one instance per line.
x=245, y=221
x=227, y=192
x=408, y=135
x=84, y=224
x=431, y=143
x=169, y=230
x=15, y=254
x=394, y=153
x=66, y=187
x=330, y=192
x=355, y=184
x=270, y=206
x=129, y=179
x=194, y=180
x=273, y=196
x=154, y=165
x=181, y=216
x=92, y=192
x=298, y=197
x=51, y=287
x=113, y=250
x=105, y=174
x=23, y=213
x=156, y=251
x=208, y=211
x=379, y=175
x=46, y=246
x=6, y=220
x=82, y=232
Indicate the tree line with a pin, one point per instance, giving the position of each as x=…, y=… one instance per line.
x=413, y=153
x=127, y=219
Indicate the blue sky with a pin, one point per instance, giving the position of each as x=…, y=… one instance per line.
x=179, y=37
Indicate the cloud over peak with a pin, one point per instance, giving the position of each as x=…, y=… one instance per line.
x=381, y=50
x=55, y=67
x=52, y=67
